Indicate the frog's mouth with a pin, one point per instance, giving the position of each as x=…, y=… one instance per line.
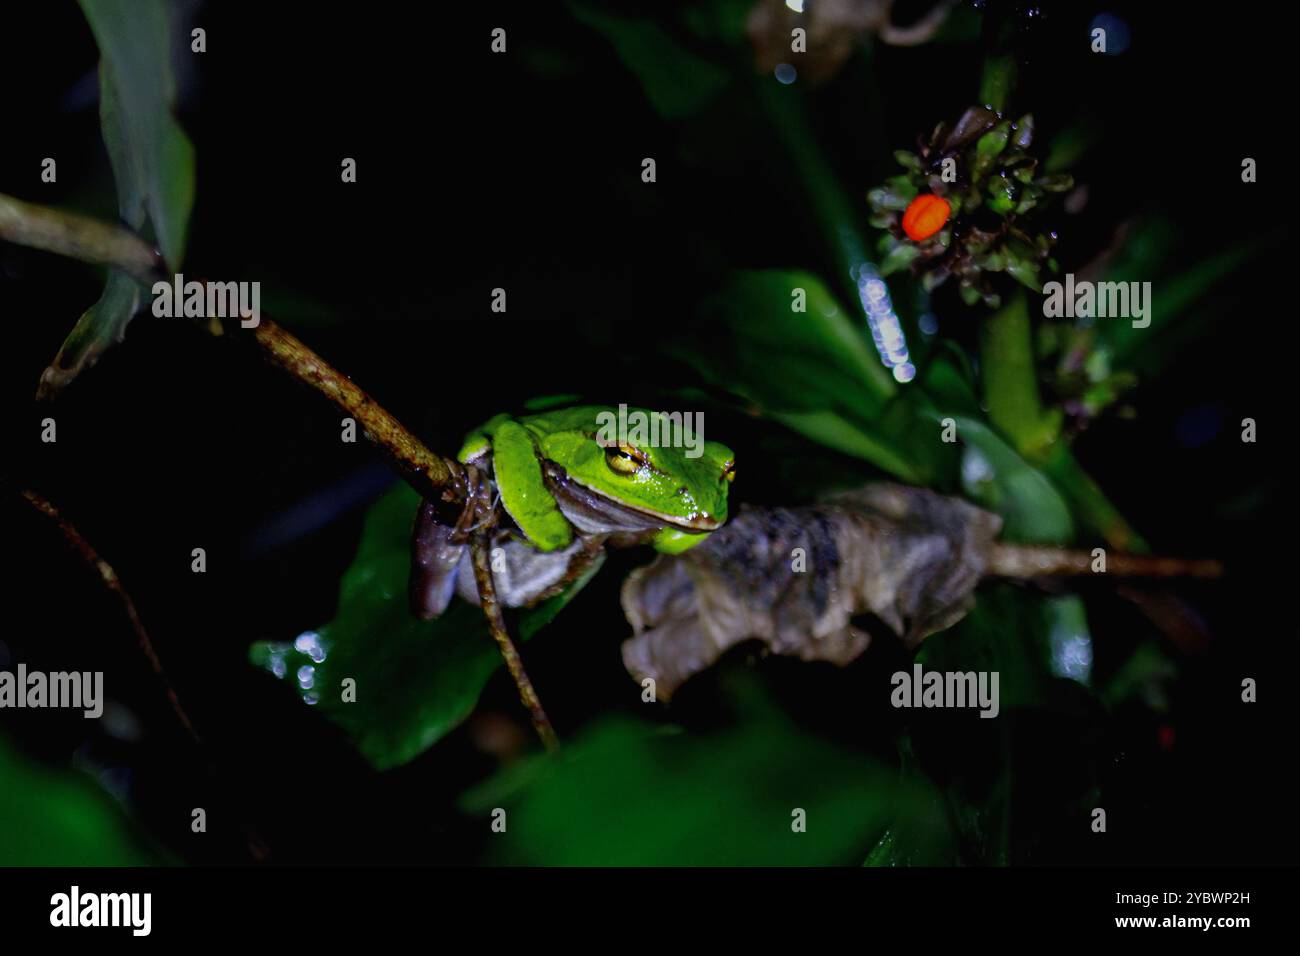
x=593, y=513
x=700, y=522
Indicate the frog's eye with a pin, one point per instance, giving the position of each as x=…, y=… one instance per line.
x=624, y=459
x=729, y=471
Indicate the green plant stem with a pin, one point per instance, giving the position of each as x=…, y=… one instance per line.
x=997, y=80
x=79, y=237
x=1010, y=379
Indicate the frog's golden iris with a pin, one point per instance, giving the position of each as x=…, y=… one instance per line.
x=624, y=459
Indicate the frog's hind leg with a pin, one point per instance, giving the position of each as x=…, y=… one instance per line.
x=437, y=551
x=478, y=443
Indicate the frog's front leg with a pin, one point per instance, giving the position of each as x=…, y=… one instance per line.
x=518, y=473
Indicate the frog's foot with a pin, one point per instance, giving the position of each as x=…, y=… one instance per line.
x=671, y=540
x=438, y=550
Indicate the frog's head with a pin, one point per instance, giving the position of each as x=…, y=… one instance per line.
x=684, y=487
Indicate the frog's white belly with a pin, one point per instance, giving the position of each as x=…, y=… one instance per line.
x=521, y=573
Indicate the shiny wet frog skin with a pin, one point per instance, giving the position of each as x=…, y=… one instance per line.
x=566, y=489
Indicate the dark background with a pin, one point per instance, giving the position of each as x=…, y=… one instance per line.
x=475, y=173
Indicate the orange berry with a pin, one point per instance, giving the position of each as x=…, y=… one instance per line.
x=925, y=216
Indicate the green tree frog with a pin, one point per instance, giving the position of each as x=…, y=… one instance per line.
x=566, y=490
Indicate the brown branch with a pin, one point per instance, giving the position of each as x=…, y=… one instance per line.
x=434, y=477
x=1033, y=561
x=496, y=623
x=108, y=577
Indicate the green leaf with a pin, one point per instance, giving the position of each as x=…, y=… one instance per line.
x=655, y=796
x=61, y=818
x=1056, y=183
x=825, y=358
x=1005, y=633
x=1146, y=256
x=1024, y=272
x=153, y=160
x=916, y=840
x=676, y=81
x=1069, y=638
x=833, y=431
x=415, y=680
x=908, y=159
x=1143, y=676
x=1088, y=502
x=1024, y=133
x=891, y=198
x=993, y=474
x=900, y=257
x=998, y=479
x=1036, y=504
x=100, y=327
x=816, y=370
x=153, y=166
x=1002, y=194
x=921, y=834
x=994, y=141
x=989, y=146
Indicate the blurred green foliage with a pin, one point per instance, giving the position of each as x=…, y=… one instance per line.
x=626, y=793
x=61, y=818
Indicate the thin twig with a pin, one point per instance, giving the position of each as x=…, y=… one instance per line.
x=496, y=623
x=108, y=577
x=79, y=237
x=1034, y=561
x=434, y=477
